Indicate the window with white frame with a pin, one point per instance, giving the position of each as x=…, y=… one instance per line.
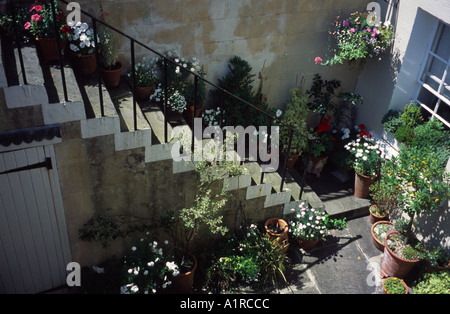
x=433, y=93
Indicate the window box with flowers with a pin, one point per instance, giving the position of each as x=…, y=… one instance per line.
x=41, y=26
x=358, y=37
x=367, y=159
x=82, y=45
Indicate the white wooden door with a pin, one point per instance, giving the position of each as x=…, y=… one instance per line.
x=34, y=248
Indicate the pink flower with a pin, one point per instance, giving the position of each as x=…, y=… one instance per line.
x=36, y=18
x=346, y=23
x=318, y=60
x=36, y=7
x=352, y=29
x=27, y=25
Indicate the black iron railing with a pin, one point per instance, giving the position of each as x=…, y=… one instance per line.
x=166, y=61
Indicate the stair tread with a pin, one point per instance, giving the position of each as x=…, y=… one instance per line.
x=32, y=67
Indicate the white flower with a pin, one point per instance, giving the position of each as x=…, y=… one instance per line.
x=133, y=248
x=150, y=264
x=134, y=289
x=278, y=113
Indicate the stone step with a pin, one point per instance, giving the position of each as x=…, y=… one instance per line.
x=122, y=98
x=32, y=66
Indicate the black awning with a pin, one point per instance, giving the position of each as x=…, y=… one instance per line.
x=29, y=135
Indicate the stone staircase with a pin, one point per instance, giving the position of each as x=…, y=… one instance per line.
x=45, y=89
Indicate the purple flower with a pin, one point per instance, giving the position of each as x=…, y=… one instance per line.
x=346, y=23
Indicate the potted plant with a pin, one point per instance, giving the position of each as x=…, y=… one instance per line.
x=320, y=147
x=436, y=258
x=423, y=184
x=379, y=230
x=41, y=26
x=148, y=268
x=384, y=197
x=110, y=67
x=393, y=285
x=175, y=102
x=184, y=225
x=367, y=159
x=277, y=230
x=356, y=39
x=308, y=226
x=82, y=45
x=294, y=117
x=146, y=78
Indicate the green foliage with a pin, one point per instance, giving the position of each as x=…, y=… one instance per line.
x=294, y=117
x=249, y=257
x=391, y=120
x=394, y=286
x=107, y=45
x=433, y=283
x=356, y=39
x=145, y=75
x=321, y=94
x=436, y=256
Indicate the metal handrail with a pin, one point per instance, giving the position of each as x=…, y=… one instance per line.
x=133, y=42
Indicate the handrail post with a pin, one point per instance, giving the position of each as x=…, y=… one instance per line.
x=19, y=46
x=194, y=108
x=222, y=103
x=286, y=160
x=166, y=72
x=133, y=79
x=97, y=60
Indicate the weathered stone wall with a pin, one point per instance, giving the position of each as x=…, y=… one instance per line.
x=94, y=176
x=278, y=38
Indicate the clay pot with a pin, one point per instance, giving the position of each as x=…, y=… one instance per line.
x=143, y=93
x=307, y=244
x=292, y=159
x=362, y=185
x=85, y=64
x=48, y=48
x=315, y=165
x=401, y=281
x=184, y=281
x=189, y=112
x=378, y=244
x=393, y=265
x=374, y=218
x=112, y=77
x=280, y=237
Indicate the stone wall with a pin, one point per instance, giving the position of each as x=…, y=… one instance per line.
x=279, y=38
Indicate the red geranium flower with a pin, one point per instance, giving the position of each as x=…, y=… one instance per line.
x=362, y=127
x=66, y=29
x=324, y=125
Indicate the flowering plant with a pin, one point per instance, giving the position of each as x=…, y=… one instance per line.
x=176, y=100
x=357, y=39
x=147, y=269
x=41, y=24
x=323, y=142
x=211, y=117
x=81, y=40
x=145, y=74
x=308, y=223
x=367, y=156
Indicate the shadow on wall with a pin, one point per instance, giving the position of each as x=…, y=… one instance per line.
x=435, y=228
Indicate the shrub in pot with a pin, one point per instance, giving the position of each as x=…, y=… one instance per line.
x=393, y=285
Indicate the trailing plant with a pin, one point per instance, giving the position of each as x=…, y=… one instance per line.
x=357, y=40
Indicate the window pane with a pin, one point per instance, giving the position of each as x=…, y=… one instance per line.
x=442, y=44
x=434, y=72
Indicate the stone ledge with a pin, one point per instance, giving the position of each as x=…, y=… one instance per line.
x=25, y=95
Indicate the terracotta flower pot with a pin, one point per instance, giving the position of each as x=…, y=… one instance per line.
x=112, y=77
x=400, y=280
x=184, y=281
x=48, y=48
x=362, y=185
x=393, y=265
x=280, y=236
x=315, y=165
x=307, y=244
x=85, y=64
x=292, y=159
x=189, y=112
x=143, y=93
x=374, y=217
x=378, y=244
